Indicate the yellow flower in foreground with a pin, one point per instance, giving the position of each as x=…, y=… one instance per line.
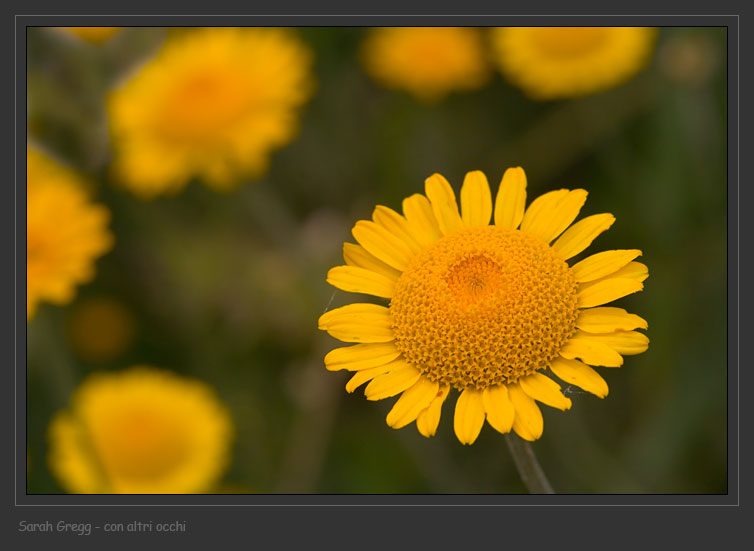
x=95, y=35
x=428, y=62
x=482, y=308
x=65, y=233
x=214, y=103
x=562, y=62
x=140, y=431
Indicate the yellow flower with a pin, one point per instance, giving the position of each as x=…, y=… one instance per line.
x=95, y=35
x=482, y=308
x=428, y=62
x=100, y=328
x=563, y=62
x=214, y=103
x=65, y=233
x=140, y=431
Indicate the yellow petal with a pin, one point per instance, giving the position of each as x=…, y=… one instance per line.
x=429, y=418
x=421, y=219
x=476, y=199
x=544, y=201
x=554, y=214
x=579, y=236
x=633, y=270
x=364, y=375
x=511, y=198
x=382, y=244
x=360, y=280
x=520, y=428
x=356, y=255
x=498, y=407
x=395, y=224
x=579, y=374
x=444, y=205
x=602, y=264
x=469, y=416
x=627, y=343
x=545, y=390
x=412, y=402
x=602, y=291
x=591, y=351
x=606, y=319
x=358, y=323
x=356, y=309
x=527, y=421
x=361, y=356
x=393, y=382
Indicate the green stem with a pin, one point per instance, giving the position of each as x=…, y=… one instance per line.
x=528, y=467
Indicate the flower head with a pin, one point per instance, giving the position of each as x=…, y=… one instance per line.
x=562, y=62
x=482, y=308
x=214, y=103
x=94, y=35
x=65, y=232
x=100, y=328
x=140, y=431
x=428, y=62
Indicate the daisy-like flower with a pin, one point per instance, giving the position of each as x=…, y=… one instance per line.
x=65, y=232
x=94, y=35
x=482, y=308
x=427, y=62
x=140, y=431
x=100, y=328
x=214, y=103
x=563, y=62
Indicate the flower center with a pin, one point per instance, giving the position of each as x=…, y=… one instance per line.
x=200, y=103
x=143, y=444
x=427, y=53
x=568, y=41
x=35, y=246
x=483, y=306
x=41, y=254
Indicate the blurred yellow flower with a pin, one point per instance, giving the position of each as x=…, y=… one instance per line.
x=100, y=328
x=562, y=62
x=482, y=308
x=140, y=431
x=688, y=59
x=95, y=35
x=65, y=232
x=428, y=62
x=214, y=103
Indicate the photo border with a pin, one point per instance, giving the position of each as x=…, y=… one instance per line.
x=204, y=507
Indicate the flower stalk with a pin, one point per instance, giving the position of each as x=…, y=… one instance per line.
x=531, y=472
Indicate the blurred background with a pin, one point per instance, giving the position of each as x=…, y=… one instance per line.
x=226, y=287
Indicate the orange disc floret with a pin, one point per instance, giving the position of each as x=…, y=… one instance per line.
x=484, y=306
